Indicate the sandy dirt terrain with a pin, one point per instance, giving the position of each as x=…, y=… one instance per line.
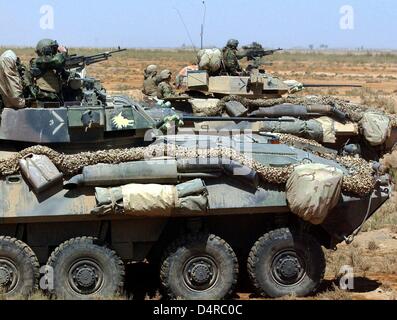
x=374, y=253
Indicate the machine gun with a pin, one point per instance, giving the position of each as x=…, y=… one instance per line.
x=255, y=51
x=74, y=61
x=316, y=85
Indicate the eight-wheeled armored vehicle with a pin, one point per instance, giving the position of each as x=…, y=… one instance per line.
x=79, y=198
x=199, y=208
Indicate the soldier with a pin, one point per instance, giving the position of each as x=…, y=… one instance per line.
x=11, y=84
x=165, y=89
x=151, y=81
x=231, y=57
x=48, y=70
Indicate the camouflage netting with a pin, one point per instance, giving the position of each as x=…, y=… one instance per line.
x=354, y=111
x=360, y=181
x=290, y=139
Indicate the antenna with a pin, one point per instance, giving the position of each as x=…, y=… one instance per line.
x=186, y=29
x=203, y=24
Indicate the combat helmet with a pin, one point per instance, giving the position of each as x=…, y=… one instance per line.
x=233, y=43
x=165, y=74
x=151, y=69
x=46, y=47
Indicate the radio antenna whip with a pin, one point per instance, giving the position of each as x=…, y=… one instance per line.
x=203, y=25
x=186, y=29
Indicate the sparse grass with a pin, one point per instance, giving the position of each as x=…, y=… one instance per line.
x=372, y=246
x=378, y=99
x=385, y=217
x=335, y=294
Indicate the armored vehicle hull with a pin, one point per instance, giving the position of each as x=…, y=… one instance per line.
x=193, y=219
x=77, y=127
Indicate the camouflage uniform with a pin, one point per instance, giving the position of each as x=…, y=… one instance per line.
x=11, y=86
x=231, y=57
x=165, y=89
x=151, y=81
x=48, y=71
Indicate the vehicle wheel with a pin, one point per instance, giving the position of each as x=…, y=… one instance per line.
x=199, y=267
x=284, y=262
x=19, y=268
x=83, y=270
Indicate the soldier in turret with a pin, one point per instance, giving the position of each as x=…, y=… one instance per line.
x=151, y=81
x=48, y=70
x=231, y=57
x=165, y=88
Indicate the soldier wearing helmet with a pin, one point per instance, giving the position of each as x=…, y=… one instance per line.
x=231, y=57
x=165, y=89
x=151, y=81
x=48, y=70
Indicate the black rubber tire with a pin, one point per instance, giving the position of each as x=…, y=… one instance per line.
x=174, y=285
x=267, y=249
x=70, y=252
x=25, y=261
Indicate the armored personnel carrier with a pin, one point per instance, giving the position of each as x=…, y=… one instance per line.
x=197, y=208
x=79, y=199
x=212, y=80
x=85, y=117
x=244, y=100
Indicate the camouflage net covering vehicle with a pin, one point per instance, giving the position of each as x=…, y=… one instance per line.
x=179, y=203
x=346, y=127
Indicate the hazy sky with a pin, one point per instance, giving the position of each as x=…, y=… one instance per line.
x=156, y=23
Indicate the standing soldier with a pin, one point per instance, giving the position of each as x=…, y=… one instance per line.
x=151, y=80
x=48, y=70
x=231, y=57
x=165, y=89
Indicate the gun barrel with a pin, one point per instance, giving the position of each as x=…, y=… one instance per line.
x=239, y=119
x=317, y=85
x=74, y=61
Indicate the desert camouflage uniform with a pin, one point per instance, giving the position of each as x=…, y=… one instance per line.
x=165, y=90
x=231, y=57
x=151, y=81
x=11, y=86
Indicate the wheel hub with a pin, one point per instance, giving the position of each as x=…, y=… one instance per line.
x=85, y=277
x=9, y=275
x=5, y=276
x=288, y=268
x=201, y=273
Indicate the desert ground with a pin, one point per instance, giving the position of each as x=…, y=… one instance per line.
x=373, y=255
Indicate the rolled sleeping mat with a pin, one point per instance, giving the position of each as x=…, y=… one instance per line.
x=310, y=129
x=158, y=171
x=153, y=200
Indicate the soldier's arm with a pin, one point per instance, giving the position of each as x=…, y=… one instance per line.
x=17, y=99
x=56, y=62
x=241, y=54
x=168, y=91
x=228, y=59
